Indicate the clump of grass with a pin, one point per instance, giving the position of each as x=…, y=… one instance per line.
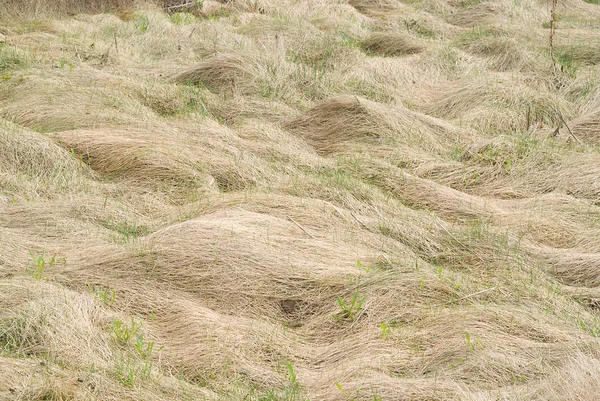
x=169, y=100
x=106, y=295
x=368, y=88
x=13, y=335
x=479, y=32
x=142, y=23
x=386, y=330
x=323, y=53
x=291, y=392
x=182, y=18
x=131, y=369
x=130, y=372
x=391, y=44
x=146, y=348
x=227, y=72
x=578, y=55
x=124, y=332
x=587, y=126
x=126, y=232
x=503, y=53
x=374, y=6
x=41, y=262
x=350, y=310
x=41, y=9
x=12, y=59
x=420, y=27
x=477, y=14
x=332, y=123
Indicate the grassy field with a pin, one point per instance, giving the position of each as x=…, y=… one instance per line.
x=300, y=200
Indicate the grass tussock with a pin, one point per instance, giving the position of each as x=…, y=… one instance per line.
x=588, y=127
x=390, y=44
x=503, y=54
x=341, y=122
x=229, y=70
x=375, y=6
x=480, y=14
x=34, y=9
x=516, y=105
x=283, y=201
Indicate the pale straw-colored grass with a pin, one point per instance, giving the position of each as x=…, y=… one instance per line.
x=325, y=200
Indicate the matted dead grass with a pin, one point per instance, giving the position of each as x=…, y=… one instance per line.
x=391, y=44
x=283, y=201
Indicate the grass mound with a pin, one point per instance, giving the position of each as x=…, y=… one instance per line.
x=222, y=71
x=375, y=6
x=32, y=164
x=511, y=105
x=482, y=13
x=339, y=123
x=588, y=127
x=390, y=44
x=132, y=155
x=504, y=54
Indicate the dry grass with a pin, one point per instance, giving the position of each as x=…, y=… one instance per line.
x=390, y=44
x=282, y=201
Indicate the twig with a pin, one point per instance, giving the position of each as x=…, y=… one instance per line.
x=191, y=33
x=300, y=227
x=116, y=44
x=552, y=29
x=558, y=113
